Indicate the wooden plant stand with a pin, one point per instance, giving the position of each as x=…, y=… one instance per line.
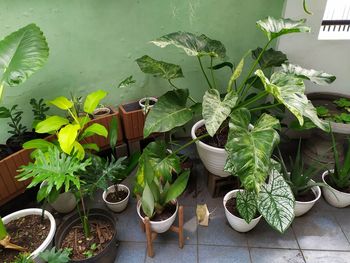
x=151, y=236
x=217, y=186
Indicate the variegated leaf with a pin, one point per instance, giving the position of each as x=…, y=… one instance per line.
x=246, y=205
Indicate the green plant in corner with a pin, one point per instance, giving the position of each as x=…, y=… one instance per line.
x=39, y=109
x=15, y=116
x=56, y=256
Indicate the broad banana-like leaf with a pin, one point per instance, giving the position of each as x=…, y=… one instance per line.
x=93, y=99
x=169, y=112
x=50, y=124
x=250, y=149
x=276, y=203
x=93, y=129
x=147, y=201
x=318, y=77
x=176, y=189
x=192, y=44
x=215, y=111
x=67, y=136
x=159, y=68
x=62, y=103
x=270, y=58
x=22, y=53
x=246, y=205
x=274, y=28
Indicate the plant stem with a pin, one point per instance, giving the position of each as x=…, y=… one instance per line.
x=189, y=96
x=265, y=107
x=205, y=75
x=212, y=72
x=84, y=218
x=3, y=232
x=252, y=100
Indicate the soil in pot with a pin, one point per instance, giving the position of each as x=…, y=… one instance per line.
x=168, y=211
x=115, y=198
x=220, y=138
x=16, y=142
x=231, y=206
x=28, y=232
x=5, y=151
x=101, y=112
x=133, y=106
x=102, y=233
x=306, y=197
x=344, y=190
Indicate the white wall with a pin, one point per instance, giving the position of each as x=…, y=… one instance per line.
x=304, y=49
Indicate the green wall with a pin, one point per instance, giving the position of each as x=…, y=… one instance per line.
x=93, y=43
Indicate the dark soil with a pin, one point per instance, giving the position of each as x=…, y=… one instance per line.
x=16, y=142
x=220, y=138
x=102, y=233
x=102, y=112
x=150, y=103
x=133, y=106
x=306, y=197
x=168, y=211
x=5, y=151
x=113, y=198
x=27, y=232
x=344, y=190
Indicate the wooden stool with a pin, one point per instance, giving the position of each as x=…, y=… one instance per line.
x=150, y=235
x=218, y=185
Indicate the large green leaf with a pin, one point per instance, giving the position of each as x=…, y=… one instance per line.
x=159, y=68
x=274, y=28
x=93, y=129
x=250, y=149
x=246, y=205
x=62, y=102
x=50, y=124
x=215, y=111
x=192, y=44
x=147, y=201
x=67, y=136
x=311, y=113
x=38, y=144
x=276, y=203
x=270, y=58
x=169, y=112
x=318, y=77
x=21, y=54
x=93, y=99
x=177, y=187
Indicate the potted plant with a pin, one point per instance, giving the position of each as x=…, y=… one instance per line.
x=101, y=111
x=337, y=180
x=39, y=109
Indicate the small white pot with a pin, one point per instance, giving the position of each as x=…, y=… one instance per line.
x=237, y=223
x=143, y=101
x=118, y=206
x=159, y=226
x=97, y=112
x=333, y=196
x=213, y=158
x=48, y=241
x=303, y=207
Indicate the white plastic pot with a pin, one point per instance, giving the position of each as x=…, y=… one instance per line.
x=118, y=206
x=143, y=101
x=302, y=208
x=333, y=196
x=48, y=241
x=237, y=223
x=159, y=226
x=100, y=112
x=213, y=158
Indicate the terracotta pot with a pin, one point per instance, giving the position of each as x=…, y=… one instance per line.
x=133, y=120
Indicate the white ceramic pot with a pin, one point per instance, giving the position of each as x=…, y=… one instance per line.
x=237, y=223
x=48, y=241
x=143, y=101
x=333, y=196
x=159, y=226
x=118, y=206
x=100, y=112
x=213, y=158
x=302, y=208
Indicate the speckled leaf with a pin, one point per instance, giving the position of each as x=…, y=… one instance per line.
x=311, y=113
x=192, y=44
x=276, y=203
x=246, y=205
x=270, y=58
x=216, y=111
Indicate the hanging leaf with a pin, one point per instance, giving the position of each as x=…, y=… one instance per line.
x=67, y=136
x=270, y=58
x=246, y=205
x=274, y=28
x=311, y=113
x=276, y=203
x=221, y=65
x=176, y=189
x=93, y=99
x=169, y=112
x=215, y=111
x=159, y=68
x=192, y=44
x=318, y=77
x=147, y=201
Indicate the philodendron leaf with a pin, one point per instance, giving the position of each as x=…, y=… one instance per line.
x=318, y=77
x=276, y=203
x=128, y=81
x=246, y=205
x=93, y=99
x=311, y=113
x=67, y=136
x=270, y=58
x=51, y=124
x=177, y=187
x=169, y=112
x=147, y=201
x=274, y=28
x=192, y=44
x=215, y=111
x=159, y=68
x=250, y=148
x=62, y=103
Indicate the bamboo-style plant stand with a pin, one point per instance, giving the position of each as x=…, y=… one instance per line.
x=151, y=236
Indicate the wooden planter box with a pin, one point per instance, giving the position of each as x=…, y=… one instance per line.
x=133, y=120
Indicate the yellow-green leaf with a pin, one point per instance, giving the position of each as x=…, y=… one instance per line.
x=93, y=99
x=62, y=102
x=95, y=129
x=67, y=137
x=78, y=150
x=51, y=124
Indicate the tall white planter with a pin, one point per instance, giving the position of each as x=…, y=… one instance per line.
x=333, y=196
x=48, y=241
x=213, y=158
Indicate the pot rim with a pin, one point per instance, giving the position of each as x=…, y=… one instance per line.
x=138, y=208
x=325, y=173
x=105, y=192
x=316, y=196
x=141, y=101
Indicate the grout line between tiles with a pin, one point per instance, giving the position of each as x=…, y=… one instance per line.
x=336, y=220
x=296, y=238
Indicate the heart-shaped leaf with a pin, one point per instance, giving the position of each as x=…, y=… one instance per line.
x=270, y=58
x=159, y=68
x=192, y=44
x=246, y=205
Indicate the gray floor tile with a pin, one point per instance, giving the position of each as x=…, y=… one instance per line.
x=260, y=255
x=219, y=232
x=131, y=252
x=171, y=253
x=342, y=216
x=264, y=236
x=210, y=254
x=326, y=256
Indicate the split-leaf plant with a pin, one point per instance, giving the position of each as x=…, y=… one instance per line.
x=242, y=103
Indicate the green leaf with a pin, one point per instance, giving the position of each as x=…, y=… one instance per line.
x=317, y=77
x=322, y=111
x=159, y=68
x=147, y=201
x=345, y=117
x=51, y=124
x=274, y=28
x=67, y=136
x=93, y=99
x=91, y=146
x=51, y=256
x=215, y=111
x=223, y=64
x=235, y=74
x=93, y=129
x=78, y=150
x=113, y=132
x=4, y=113
x=169, y=112
x=246, y=205
x=126, y=82
x=192, y=44
x=270, y=58
x=250, y=150
x=38, y=144
x=311, y=113
x=342, y=103
x=62, y=102
x=177, y=187
x=276, y=203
